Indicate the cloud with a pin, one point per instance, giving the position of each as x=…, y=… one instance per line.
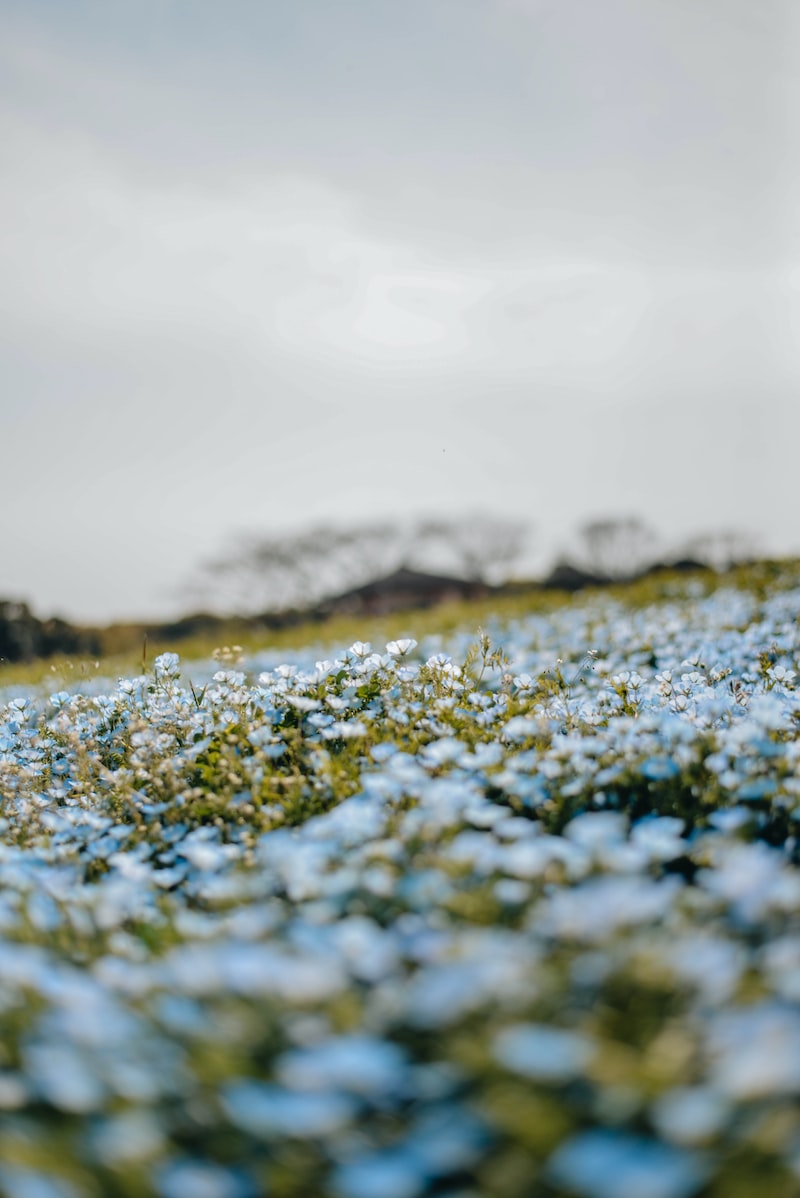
x=284, y=265
x=281, y=275
x=262, y=300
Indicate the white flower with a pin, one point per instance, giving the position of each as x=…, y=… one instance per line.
x=781, y=675
x=303, y=703
x=401, y=648
x=344, y=730
x=168, y=665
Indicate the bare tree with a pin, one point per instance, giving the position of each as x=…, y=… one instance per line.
x=723, y=548
x=478, y=546
x=299, y=569
x=617, y=547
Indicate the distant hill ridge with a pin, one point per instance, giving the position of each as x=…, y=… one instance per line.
x=26, y=637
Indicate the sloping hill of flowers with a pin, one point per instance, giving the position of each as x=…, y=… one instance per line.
x=504, y=918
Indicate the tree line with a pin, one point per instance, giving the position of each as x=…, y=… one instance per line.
x=302, y=569
x=275, y=578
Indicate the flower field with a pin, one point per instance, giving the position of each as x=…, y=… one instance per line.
x=500, y=915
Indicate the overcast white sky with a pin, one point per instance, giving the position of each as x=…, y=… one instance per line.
x=265, y=263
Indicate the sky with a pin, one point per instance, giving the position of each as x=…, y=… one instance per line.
x=265, y=264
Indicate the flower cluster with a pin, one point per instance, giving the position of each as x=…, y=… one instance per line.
x=440, y=919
